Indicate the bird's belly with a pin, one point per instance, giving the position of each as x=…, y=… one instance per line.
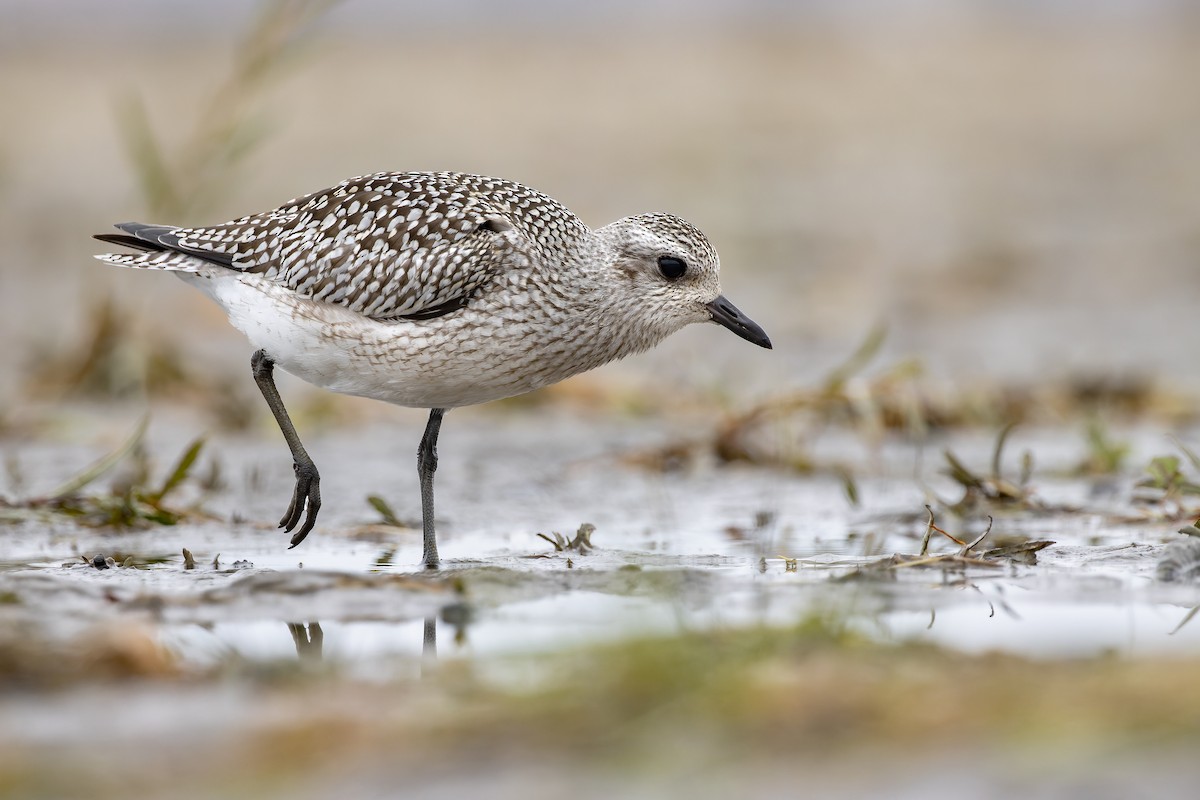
x=461, y=359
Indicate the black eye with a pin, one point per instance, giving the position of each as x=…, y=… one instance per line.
x=672, y=268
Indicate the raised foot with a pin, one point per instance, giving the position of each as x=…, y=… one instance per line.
x=307, y=493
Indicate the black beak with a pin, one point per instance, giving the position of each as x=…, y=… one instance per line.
x=725, y=313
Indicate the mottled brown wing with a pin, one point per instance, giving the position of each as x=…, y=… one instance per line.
x=388, y=246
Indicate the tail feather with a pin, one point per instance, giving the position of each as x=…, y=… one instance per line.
x=160, y=246
x=160, y=259
x=125, y=241
x=161, y=237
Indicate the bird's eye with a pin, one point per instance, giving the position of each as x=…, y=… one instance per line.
x=671, y=268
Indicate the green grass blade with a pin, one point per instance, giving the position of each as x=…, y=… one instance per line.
x=103, y=465
x=385, y=510
x=179, y=472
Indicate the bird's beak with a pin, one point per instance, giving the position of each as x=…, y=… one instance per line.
x=725, y=313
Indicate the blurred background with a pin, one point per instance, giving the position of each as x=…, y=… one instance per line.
x=949, y=217
x=1012, y=188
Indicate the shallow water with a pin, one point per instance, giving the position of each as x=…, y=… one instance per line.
x=705, y=548
x=708, y=550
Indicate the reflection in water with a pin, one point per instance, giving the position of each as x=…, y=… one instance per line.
x=458, y=616
x=309, y=639
x=1186, y=619
x=429, y=645
x=988, y=617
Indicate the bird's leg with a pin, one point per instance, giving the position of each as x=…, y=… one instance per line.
x=426, y=466
x=308, y=481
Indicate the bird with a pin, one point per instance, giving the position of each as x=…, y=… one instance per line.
x=436, y=290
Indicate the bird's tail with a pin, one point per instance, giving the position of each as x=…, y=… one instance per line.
x=155, y=243
x=163, y=259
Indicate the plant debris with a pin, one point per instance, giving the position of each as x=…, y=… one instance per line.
x=780, y=431
x=133, y=505
x=1166, y=481
x=1022, y=552
x=993, y=489
x=1105, y=455
x=581, y=543
x=388, y=515
x=1180, y=560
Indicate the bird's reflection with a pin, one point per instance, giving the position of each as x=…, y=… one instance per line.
x=429, y=644
x=309, y=640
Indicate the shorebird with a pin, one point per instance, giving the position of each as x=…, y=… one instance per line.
x=436, y=290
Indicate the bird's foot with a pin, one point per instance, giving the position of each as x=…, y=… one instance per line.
x=307, y=493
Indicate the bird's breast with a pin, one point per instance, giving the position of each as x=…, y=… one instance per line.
x=514, y=339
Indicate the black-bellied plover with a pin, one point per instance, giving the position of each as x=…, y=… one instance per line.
x=436, y=290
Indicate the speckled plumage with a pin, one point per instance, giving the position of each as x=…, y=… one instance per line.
x=386, y=246
x=437, y=290
x=344, y=287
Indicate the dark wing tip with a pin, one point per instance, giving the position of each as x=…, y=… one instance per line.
x=144, y=236
x=121, y=240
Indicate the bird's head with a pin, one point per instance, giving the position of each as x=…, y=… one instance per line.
x=670, y=270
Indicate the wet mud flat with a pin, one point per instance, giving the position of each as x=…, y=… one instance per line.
x=604, y=620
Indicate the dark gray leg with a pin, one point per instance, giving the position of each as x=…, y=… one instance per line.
x=308, y=481
x=426, y=466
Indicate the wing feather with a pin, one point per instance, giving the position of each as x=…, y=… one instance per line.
x=391, y=245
